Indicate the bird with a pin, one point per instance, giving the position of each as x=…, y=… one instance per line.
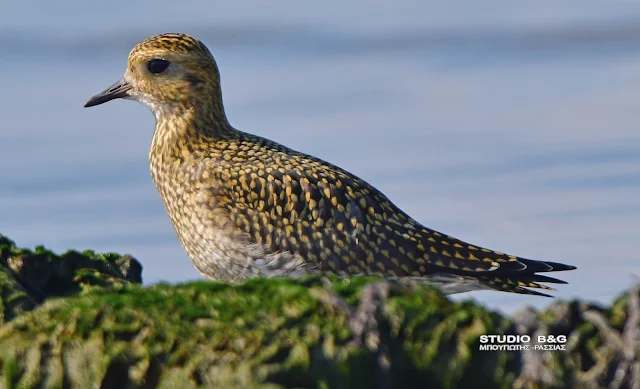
x=244, y=206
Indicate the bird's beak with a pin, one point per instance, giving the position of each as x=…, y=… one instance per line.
x=118, y=90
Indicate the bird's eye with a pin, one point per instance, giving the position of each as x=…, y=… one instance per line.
x=157, y=65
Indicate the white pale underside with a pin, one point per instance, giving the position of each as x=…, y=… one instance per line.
x=294, y=266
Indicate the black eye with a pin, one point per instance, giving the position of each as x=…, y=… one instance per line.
x=157, y=65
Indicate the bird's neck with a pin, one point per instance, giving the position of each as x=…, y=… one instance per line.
x=179, y=131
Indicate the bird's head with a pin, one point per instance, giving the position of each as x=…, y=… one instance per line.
x=166, y=73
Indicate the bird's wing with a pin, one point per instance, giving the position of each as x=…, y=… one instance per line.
x=342, y=224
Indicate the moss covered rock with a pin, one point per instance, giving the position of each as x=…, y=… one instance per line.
x=102, y=329
x=28, y=277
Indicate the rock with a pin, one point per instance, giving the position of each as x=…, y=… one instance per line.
x=83, y=320
x=29, y=277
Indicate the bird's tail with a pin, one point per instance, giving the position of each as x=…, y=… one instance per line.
x=518, y=282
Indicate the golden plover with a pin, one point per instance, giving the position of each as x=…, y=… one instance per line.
x=245, y=206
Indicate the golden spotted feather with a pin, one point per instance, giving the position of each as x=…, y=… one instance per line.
x=245, y=206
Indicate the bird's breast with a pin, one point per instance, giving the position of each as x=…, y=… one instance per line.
x=190, y=191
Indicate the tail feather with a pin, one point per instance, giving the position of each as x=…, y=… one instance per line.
x=533, y=266
x=540, y=278
x=516, y=276
x=519, y=284
x=518, y=289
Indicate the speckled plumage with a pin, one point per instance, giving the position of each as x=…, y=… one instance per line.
x=245, y=206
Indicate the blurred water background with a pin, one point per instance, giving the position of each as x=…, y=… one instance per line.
x=508, y=124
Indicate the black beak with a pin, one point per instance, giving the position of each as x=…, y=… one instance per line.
x=115, y=91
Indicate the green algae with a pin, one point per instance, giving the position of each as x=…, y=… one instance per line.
x=263, y=331
x=42, y=274
x=92, y=324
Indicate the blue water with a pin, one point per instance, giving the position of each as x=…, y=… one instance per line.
x=506, y=124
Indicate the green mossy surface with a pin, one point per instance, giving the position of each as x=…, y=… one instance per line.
x=93, y=325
